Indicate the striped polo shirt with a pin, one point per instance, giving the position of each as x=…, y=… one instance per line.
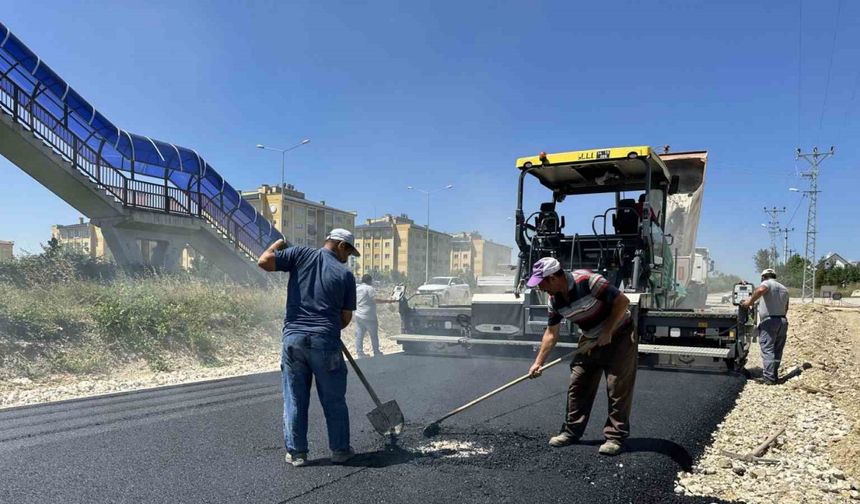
x=588, y=303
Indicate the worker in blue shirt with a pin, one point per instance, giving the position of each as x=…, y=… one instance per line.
x=320, y=302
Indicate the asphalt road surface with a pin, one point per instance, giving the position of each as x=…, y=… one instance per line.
x=221, y=441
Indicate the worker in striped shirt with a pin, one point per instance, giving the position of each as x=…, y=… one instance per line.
x=600, y=311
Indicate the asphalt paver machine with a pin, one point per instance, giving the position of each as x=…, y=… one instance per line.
x=651, y=218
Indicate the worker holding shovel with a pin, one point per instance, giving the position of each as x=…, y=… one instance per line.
x=600, y=310
x=320, y=302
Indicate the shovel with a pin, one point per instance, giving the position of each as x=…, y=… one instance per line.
x=386, y=418
x=434, y=428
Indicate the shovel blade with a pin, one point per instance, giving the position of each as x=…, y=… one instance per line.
x=387, y=418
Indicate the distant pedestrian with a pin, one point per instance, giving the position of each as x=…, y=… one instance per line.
x=772, y=299
x=588, y=300
x=320, y=302
x=366, y=320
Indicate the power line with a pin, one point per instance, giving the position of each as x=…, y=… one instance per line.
x=795, y=210
x=830, y=65
x=849, y=107
x=799, y=70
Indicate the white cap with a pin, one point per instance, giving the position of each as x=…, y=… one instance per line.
x=343, y=235
x=769, y=271
x=541, y=269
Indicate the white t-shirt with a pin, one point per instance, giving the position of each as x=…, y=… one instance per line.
x=365, y=306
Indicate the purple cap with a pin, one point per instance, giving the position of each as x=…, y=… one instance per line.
x=543, y=268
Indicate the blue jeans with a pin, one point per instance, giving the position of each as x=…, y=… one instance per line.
x=771, y=338
x=305, y=357
x=366, y=326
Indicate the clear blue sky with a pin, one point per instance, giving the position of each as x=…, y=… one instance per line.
x=395, y=94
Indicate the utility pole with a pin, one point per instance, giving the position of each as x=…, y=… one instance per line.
x=785, y=249
x=814, y=159
x=772, y=230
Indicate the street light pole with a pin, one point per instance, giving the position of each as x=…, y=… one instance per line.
x=283, y=163
x=427, y=251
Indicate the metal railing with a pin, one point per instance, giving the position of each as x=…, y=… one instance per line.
x=163, y=197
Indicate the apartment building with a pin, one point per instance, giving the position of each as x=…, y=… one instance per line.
x=300, y=220
x=396, y=244
x=83, y=237
x=6, y=250
x=470, y=252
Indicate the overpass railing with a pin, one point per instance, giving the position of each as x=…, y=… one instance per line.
x=162, y=196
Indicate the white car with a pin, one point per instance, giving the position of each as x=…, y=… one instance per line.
x=447, y=291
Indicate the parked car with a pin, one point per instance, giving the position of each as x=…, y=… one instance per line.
x=447, y=291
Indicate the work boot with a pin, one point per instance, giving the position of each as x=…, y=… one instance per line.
x=297, y=460
x=563, y=439
x=342, y=457
x=377, y=353
x=610, y=447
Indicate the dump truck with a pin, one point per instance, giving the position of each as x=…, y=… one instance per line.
x=652, y=208
x=692, y=273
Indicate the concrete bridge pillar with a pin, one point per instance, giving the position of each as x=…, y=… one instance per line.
x=166, y=255
x=124, y=245
x=132, y=246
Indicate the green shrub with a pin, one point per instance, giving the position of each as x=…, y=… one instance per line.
x=80, y=326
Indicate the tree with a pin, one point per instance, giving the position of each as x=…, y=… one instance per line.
x=722, y=282
x=762, y=259
x=790, y=274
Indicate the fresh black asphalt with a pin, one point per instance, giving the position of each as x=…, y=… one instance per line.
x=221, y=441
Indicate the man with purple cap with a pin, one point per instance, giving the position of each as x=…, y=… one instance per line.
x=320, y=302
x=600, y=311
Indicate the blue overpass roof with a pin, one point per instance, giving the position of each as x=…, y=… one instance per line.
x=183, y=167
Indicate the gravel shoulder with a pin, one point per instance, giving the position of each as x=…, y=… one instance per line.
x=817, y=458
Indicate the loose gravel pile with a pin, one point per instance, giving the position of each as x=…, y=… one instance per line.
x=817, y=459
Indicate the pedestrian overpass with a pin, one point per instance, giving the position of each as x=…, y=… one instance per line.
x=133, y=187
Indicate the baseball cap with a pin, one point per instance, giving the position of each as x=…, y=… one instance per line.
x=342, y=235
x=768, y=271
x=543, y=268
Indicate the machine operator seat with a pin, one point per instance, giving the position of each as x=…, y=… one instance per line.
x=626, y=219
x=548, y=222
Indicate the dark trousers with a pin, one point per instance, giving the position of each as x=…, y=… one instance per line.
x=617, y=361
x=771, y=338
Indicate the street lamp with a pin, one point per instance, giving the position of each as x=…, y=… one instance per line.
x=283, y=155
x=427, y=252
